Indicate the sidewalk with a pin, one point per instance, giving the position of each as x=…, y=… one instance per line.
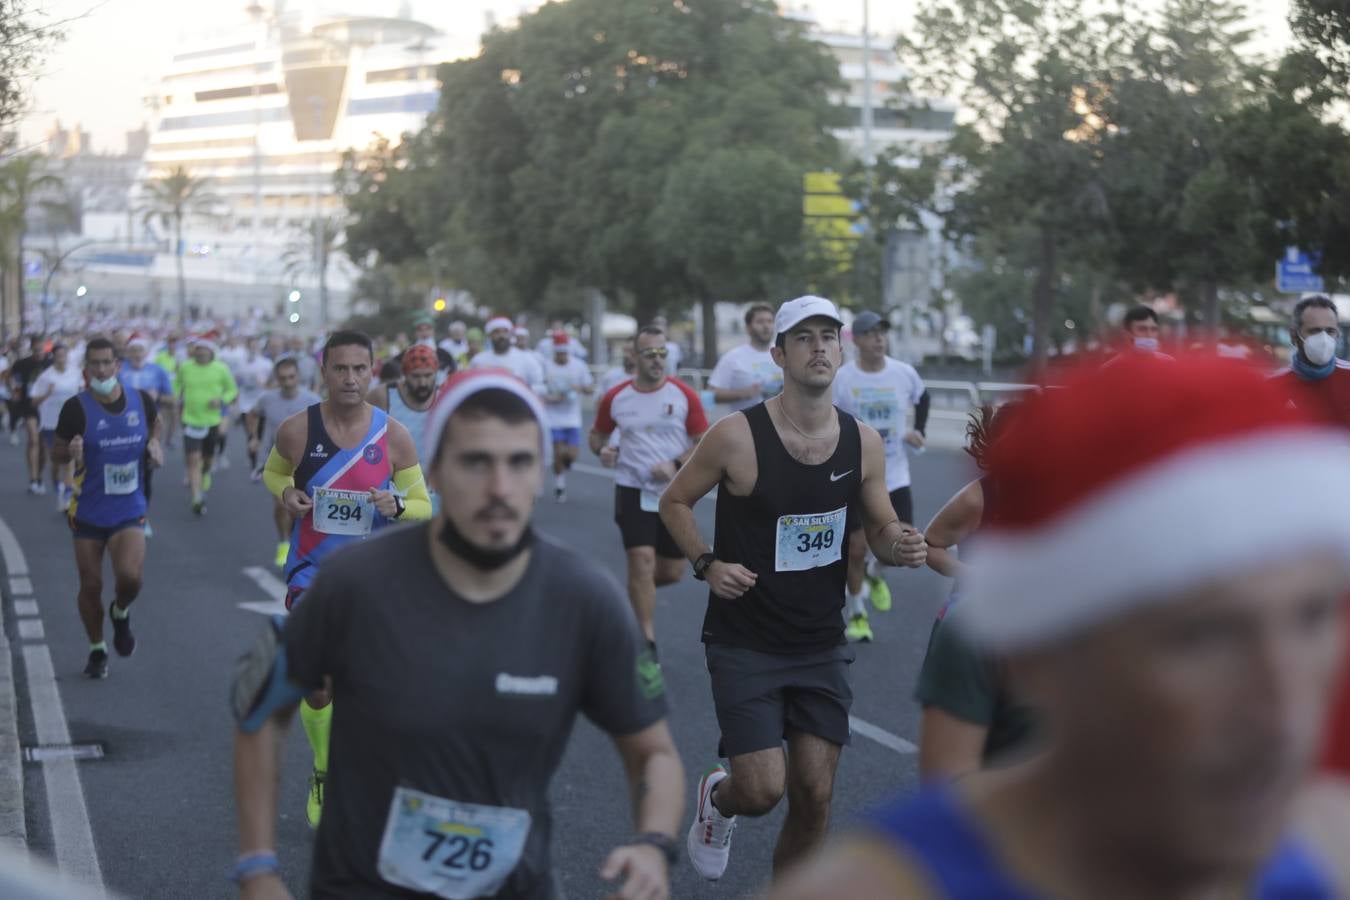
x=13, y=585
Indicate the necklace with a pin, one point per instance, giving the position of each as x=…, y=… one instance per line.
x=810, y=437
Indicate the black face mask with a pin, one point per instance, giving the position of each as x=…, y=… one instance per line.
x=483, y=560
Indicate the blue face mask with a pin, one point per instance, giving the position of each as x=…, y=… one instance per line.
x=1146, y=344
x=103, y=386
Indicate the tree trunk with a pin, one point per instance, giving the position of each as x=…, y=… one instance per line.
x=709, y=307
x=178, y=266
x=1043, y=300
x=323, y=293
x=1209, y=296
x=19, y=275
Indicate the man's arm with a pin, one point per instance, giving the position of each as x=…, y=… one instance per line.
x=257, y=774
x=893, y=542
x=408, y=479
x=656, y=787
x=949, y=747
x=379, y=396
x=955, y=522
x=701, y=474
x=69, y=426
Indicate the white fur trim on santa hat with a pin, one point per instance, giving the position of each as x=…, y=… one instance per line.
x=498, y=323
x=138, y=340
x=464, y=385
x=1213, y=512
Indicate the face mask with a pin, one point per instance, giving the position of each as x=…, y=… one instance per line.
x=483, y=560
x=104, y=386
x=1146, y=345
x=1319, y=349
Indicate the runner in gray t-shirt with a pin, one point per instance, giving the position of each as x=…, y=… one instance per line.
x=274, y=407
x=462, y=651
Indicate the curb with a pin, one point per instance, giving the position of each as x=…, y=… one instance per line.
x=13, y=827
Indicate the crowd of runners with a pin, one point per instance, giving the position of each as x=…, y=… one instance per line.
x=1134, y=689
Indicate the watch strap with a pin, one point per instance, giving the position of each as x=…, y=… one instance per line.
x=663, y=842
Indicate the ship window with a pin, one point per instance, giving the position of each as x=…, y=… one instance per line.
x=408, y=103
x=234, y=92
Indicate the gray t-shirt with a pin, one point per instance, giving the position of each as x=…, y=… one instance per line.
x=470, y=702
x=275, y=409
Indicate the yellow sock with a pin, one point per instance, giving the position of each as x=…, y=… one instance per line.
x=318, y=725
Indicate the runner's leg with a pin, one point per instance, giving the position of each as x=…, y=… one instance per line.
x=89, y=564
x=642, y=587
x=811, y=765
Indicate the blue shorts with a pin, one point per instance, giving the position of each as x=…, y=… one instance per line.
x=48, y=436
x=87, y=532
x=569, y=436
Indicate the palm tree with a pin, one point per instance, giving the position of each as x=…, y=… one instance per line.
x=21, y=178
x=169, y=199
x=311, y=252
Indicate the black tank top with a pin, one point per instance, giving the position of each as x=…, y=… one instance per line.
x=791, y=530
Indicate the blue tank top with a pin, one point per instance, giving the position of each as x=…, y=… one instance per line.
x=414, y=420
x=108, y=482
x=934, y=830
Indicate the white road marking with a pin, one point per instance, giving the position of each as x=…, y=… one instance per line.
x=272, y=587
x=76, y=854
x=25, y=607
x=31, y=629
x=20, y=586
x=881, y=736
x=72, y=836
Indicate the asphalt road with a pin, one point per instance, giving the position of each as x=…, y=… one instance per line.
x=160, y=801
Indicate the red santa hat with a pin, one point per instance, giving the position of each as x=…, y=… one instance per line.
x=1142, y=479
x=209, y=340
x=497, y=323
x=137, y=339
x=561, y=339
x=463, y=385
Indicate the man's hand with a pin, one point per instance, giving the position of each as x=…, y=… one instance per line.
x=384, y=503
x=915, y=440
x=664, y=471
x=753, y=391
x=643, y=870
x=264, y=887
x=911, y=551
x=77, y=448
x=297, y=502
x=155, y=452
x=609, y=457
x=730, y=580
x=213, y=403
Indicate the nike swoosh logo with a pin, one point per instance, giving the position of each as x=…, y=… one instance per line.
x=834, y=477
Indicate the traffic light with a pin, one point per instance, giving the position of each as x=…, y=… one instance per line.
x=294, y=297
x=439, y=304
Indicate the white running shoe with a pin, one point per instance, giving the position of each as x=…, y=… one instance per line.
x=709, y=841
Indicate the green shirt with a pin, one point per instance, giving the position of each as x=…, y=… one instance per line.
x=963, y=682
x=166, y=361
x=198, y=385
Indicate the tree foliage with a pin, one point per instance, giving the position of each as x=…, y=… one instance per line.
x=169, y=200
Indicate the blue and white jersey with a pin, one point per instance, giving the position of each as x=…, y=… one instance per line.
x=108, y=485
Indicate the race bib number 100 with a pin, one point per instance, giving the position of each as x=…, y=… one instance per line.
x=809, y=541
x=121, y=479
x=458, y=851
x=343, y=512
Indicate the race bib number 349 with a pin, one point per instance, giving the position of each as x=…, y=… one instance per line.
x=809, y=541
x=458, y=851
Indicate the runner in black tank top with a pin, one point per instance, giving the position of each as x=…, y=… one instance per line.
x=791, y=608
x=792, y=472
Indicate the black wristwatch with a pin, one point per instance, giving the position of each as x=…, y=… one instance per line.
x=399, y=506
x=663, y=842
x=701, y=566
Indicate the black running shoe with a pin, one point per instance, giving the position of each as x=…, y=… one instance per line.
x=124, y=642
x=97, y=667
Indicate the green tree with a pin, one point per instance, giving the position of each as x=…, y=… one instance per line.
x=1033, y=75
x=169, y=200
x=1323, y=29
x=311, y=253
x=577, y=150
x=22, y=182
x=25, y=38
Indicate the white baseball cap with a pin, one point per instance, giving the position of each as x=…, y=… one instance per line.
x=794, y=312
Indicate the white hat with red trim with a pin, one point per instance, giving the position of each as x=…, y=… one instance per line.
x=463, y=385
x=1140, y=480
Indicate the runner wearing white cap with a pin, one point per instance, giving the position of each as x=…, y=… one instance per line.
x=445, y=791
x=794, y=472
x=502, y=354
x=1165, y=581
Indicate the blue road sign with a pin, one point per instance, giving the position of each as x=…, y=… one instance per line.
x=1296, y=273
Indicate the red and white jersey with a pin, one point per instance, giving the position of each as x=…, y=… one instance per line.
x=1327, y=398
x=654, y=426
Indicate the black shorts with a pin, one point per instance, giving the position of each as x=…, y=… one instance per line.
x=639, y=527
x=902, y=501
x=760, y=697
x=206, y=446
x=20, y=410
x=87, y=532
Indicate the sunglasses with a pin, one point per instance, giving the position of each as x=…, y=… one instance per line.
x=654, y=353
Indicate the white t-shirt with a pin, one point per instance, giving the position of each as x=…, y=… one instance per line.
x=574, y=349
x=655, y=427
x=742, y=367
x=251, y=376
x=882, y=400
x=524, y=364
x=565, y=379
x=674, y=358
x=64, y=385
x=612, y=379
x=455, y=348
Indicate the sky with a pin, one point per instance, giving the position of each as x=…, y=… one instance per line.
x=115, y=50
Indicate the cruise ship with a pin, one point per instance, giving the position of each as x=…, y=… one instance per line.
x=264, y=110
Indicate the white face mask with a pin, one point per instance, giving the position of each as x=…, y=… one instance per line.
x=1146, y=344
x=1320, y=349
x=103, y=386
